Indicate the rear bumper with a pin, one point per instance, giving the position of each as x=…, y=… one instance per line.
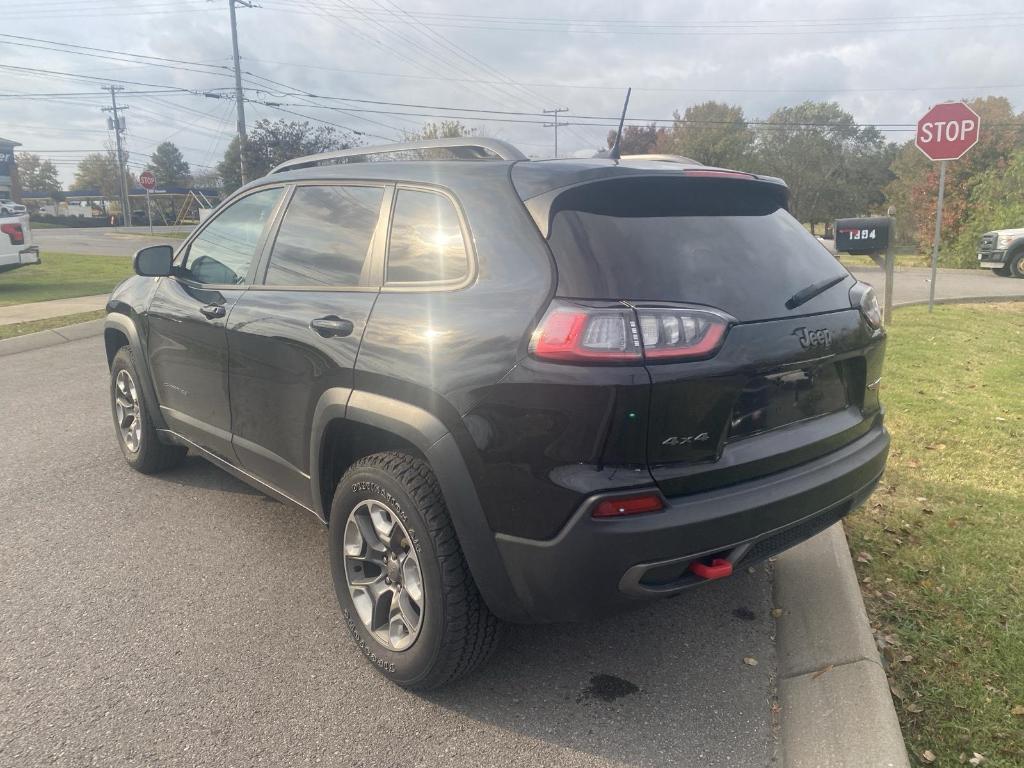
x=594, y=567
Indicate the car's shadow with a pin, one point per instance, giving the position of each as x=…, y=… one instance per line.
x=664, y=683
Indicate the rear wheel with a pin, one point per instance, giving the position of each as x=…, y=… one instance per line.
x=403, y=584
x=136, y=435
x=1017, y=264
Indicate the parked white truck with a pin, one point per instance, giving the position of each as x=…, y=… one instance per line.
x=16, y=248
x=1002, y=251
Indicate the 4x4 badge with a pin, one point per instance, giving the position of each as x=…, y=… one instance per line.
x=819, y=338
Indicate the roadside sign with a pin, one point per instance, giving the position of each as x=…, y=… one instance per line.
x=946, y=132
x=148, y=181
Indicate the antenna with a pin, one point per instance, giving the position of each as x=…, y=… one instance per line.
x=616, y=151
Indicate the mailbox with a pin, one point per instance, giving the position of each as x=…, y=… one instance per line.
x=863, y=236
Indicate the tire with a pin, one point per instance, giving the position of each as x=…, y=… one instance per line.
x=451, y=631
x=137, y=437
x=1016, y=264
x=1002, y=271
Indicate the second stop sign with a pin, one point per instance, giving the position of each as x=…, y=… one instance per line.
x=947, y=131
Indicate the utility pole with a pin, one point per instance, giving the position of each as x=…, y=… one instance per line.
x=554, y=125
x=117, y=123
x=239, y=99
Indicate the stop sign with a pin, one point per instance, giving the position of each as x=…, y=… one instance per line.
x=148, y=180
x=947, y=131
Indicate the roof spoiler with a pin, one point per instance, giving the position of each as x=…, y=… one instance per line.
x=463, y=148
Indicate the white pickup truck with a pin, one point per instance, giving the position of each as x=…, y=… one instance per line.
x=16, y=248
x=1002, y=251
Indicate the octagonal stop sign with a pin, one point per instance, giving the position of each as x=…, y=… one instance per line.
x=947, y=131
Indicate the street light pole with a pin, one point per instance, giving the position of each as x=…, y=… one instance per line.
x=554, y=124
x=122, y=176
x=239, y=99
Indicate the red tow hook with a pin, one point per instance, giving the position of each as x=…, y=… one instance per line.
x=719, y=568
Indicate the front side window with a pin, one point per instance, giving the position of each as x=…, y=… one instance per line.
x=325, y=236
x=222, y=253
x=426, y=242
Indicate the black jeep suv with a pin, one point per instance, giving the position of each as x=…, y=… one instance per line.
x=513, y=390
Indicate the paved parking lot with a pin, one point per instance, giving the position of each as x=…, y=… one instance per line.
x=98, y=242
x=188, y=620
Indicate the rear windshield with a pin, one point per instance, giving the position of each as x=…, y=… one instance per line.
x=725, y=243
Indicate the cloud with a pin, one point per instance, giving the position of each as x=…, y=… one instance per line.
x=871, y=57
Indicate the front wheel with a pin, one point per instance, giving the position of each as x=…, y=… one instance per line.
x=1016, y=265
x=136, y=435
x=1002, y=271
x=405, y=590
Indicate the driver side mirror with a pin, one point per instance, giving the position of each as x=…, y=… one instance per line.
x=154, y=261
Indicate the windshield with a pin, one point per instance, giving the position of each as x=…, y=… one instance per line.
x=723, y=243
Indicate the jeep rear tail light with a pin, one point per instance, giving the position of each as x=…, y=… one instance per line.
x=15, y=232
x=622, y=334
x=680, y=334
x=574, y=333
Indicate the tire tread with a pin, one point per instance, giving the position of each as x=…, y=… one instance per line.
x=471, y=631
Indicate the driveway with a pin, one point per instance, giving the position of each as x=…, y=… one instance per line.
x=910, y=284
x=188, y=620
x=102, y=241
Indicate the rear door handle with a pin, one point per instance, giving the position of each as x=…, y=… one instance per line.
x=213, y=311
x=332, y=326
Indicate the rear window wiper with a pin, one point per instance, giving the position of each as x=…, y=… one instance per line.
x=806, y=294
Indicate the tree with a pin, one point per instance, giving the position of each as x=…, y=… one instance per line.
x=637, y=139
x=98, y=170
x=169, y=166
x=271, y=143
x=446, y=129
x=833, y=166
x=712, y=133
x=914, y=188
x=996, y=202
x=36, y=174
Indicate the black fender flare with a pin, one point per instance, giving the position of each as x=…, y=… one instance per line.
x=430, y=436
x=123, y=323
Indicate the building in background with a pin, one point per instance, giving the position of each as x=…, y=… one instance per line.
x=7, y=168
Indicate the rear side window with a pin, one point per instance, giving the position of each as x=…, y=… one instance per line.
x=325, y=236
x=720, y=242
x=426, y=242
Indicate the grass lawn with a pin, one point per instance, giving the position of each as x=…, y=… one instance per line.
x=940, y=546
x=165, y=235
x=902, y=260
x=20, y=329
x=63, y=276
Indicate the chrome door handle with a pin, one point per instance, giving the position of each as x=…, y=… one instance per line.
x=213, y=311
x=332, y=326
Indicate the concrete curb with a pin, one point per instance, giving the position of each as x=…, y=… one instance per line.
x=836, y=708
x=51, y=338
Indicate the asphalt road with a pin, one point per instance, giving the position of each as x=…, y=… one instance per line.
x=912, y=283
x=99, y=241
x=186, y=620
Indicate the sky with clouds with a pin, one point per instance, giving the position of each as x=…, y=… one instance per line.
x=387, y=66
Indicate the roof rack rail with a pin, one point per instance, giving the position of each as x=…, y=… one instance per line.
x=465, y=148
x=664, y=158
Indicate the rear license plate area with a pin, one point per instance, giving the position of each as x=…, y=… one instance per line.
x=773, y=400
